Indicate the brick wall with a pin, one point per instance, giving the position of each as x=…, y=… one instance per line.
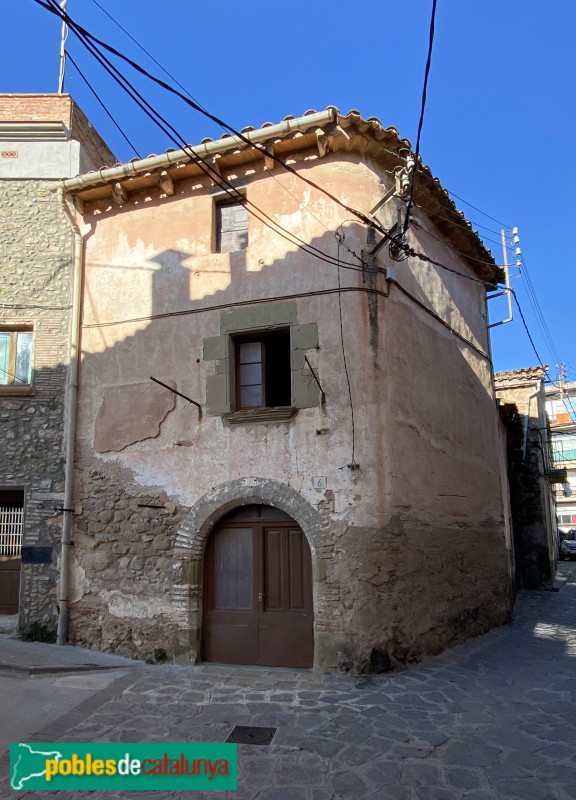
x=36, y=108
x=58, y=108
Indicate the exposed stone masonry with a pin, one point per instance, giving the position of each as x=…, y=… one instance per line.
x=124, y=541
x=36, y=247
x=139, y=566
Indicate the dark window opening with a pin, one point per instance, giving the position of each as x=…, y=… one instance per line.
x=263, y=371
x=231, y=227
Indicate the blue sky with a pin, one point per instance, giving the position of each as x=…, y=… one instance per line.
x=499, y=124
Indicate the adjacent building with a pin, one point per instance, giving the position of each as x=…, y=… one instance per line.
x=287, y=447
x=532, y=476
x=561, y=409
x=43, y=139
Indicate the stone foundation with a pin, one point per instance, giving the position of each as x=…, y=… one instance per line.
x=383, y=597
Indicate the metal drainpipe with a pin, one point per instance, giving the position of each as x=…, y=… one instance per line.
x=70, y=406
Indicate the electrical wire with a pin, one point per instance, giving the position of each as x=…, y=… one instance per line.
x=449, y=246
x=191, y=96
x=84, y=35
x=52, y=7
x=421, y=120
x=24, y=306
x=539, y=314
x=204, y=165
x=541, y=321
x=479, y=210
x=114, y=122
x=222, y=306
x=465, y=227
x=352, y=464
x=537, y=354
x=150, y=56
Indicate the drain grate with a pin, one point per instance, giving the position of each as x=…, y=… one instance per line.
x=245, y=735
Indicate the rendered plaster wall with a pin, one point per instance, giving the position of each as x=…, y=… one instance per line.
x=36, y=248
x=409, y=550
x=82, y=149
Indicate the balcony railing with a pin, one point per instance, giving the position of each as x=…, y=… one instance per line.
x=560, y=453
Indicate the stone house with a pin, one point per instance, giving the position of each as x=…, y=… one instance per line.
x=532, y=476
x=44, y=138
x=287, y=438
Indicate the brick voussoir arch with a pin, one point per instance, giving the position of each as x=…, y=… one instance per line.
x=200, y=520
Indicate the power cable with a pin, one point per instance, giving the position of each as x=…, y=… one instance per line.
x=421, y=120
x=539, y=314
x=53, y=8
x=449, y=246
x=352, y=465
x=79, y=71
x=465, y=227
x=150, y=56
x=537, y=354
x=205, y=166
x=191, y=96
x=84, y=35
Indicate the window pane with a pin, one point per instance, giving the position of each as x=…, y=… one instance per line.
x=24, y=358
x=233, y=567
x=4, y=358
x=250, y=352
x=250, y=374
x=250, y=396
x=232, y=227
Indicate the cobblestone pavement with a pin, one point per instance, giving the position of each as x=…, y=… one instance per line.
x=493, y=719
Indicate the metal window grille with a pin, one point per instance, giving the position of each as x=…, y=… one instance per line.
x=11, y=522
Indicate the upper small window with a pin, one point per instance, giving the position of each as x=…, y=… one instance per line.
x=263, y=371
x=231, y=227
x=16, y=358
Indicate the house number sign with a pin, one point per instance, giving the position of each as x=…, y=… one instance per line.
x=320, y=482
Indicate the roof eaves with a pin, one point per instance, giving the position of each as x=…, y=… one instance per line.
x=370, y=137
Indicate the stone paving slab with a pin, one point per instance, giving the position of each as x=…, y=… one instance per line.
x=38, y=658
x=494, y=719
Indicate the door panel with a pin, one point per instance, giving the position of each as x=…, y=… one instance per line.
x=9, y=585
x=286, y=619
x=258, y=595
x=233, y=569
x=231, y=601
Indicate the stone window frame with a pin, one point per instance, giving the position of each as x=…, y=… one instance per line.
x=260, y=319
x=279, y=355
x=16, y=327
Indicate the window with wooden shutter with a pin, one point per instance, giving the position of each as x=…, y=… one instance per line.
x=231, y=227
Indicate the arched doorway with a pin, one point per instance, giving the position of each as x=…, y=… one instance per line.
x=258, y=591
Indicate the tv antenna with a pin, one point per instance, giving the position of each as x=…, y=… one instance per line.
x=63, y=38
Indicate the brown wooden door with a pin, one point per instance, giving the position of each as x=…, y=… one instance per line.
x=258, y=595
x=9, y=585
